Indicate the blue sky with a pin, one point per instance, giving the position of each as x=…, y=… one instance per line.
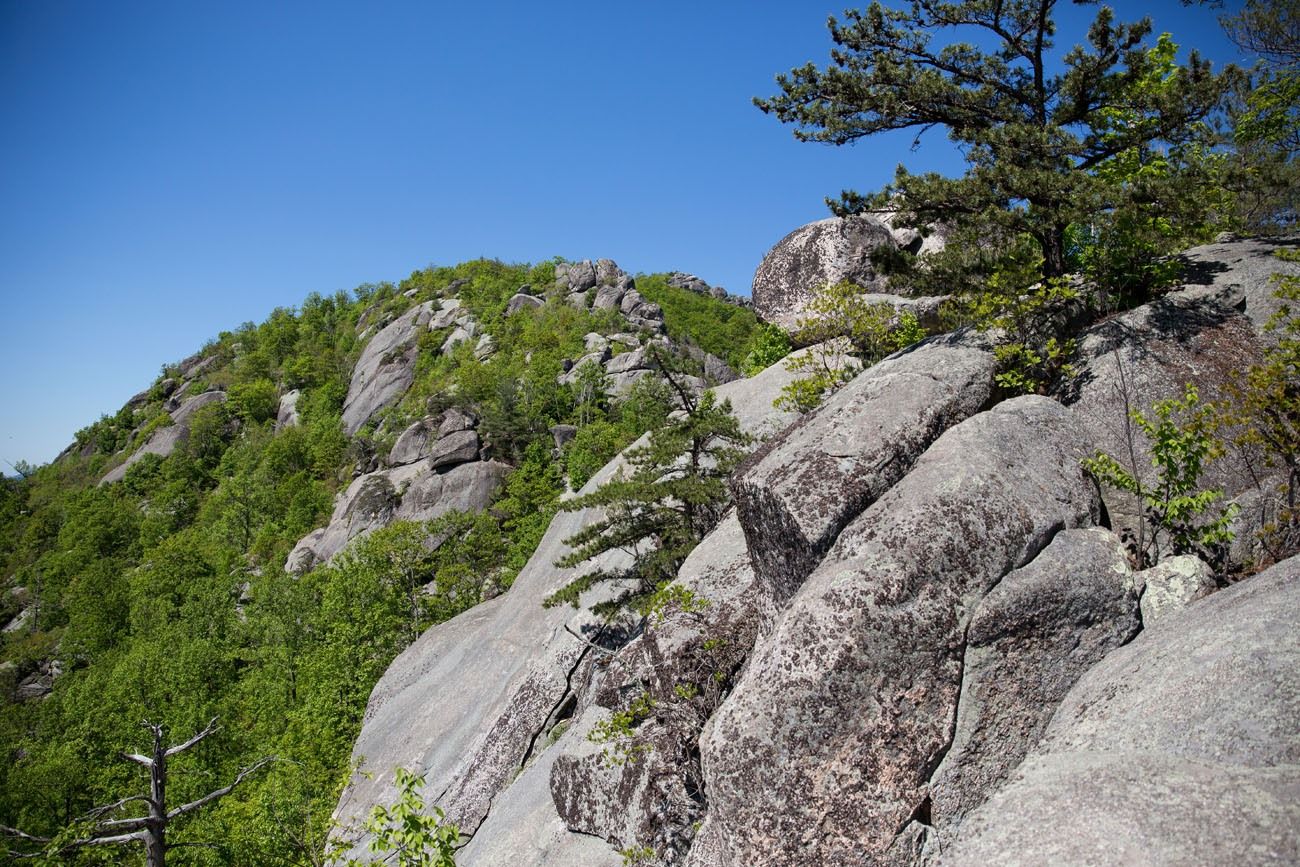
x=169, y=170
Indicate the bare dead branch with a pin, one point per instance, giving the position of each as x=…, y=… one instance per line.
x=222, y=792
x=211, y=728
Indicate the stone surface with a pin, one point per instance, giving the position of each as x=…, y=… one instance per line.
x=563, y=434
x=520, y=301
x=470, y=699
x=467, y=487
x=653, y=800
x=1179, y=748
x=812, y=256
x=413, y=443
x=607, y=298
x=1029, y=641
x=454, y=420
x=287, y=413
x=1239, y=273
x=1173, y=584
x=412, y=492
x=454, y=448
x=821, y=754
x=925, y=308
x=798, y=491
x=523, y=828
x=385, y=369
x=485, y=348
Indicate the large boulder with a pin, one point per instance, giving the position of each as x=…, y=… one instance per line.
x=385, y=369
x=412, y=492
x=1178, y=748
x=813, y=256
x=798, y=491
x=1031, y=638
x=822, y=753
x=286, y=414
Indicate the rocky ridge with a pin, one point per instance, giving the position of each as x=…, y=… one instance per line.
x=925, y=642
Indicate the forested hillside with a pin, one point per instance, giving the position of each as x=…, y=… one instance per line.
x=143, y=587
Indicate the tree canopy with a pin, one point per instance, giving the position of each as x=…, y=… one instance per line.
x=1034, y=126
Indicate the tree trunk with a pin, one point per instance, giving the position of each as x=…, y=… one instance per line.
x=1053, y=241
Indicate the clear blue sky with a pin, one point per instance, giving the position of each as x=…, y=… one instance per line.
x=169, y=170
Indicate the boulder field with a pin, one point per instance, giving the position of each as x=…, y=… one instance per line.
x=922, y=641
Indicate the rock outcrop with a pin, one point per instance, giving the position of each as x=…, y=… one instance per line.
x=912, y=642
x=1133, y=360
x=420, y=491
x=514, y=666
x=163, y=441
x=822, y=753
x=826, y=252
x=386, y=367
x=1179, y=748
x=798, y=491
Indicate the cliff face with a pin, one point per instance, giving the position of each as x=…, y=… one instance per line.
x=925, y=641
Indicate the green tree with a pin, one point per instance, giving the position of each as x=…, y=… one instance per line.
x=1182, y=442
x=1032, y=136
x=657, y=513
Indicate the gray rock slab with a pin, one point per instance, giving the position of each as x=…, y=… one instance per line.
x=1179, y=748
x=822, y=752
x=607, y=298
x=467, y=488
x=798, y=491
x=523, y=828
x=454, y=448
x=1173, y=584
x=413, y=443
x=164, y=440
x=286, y=415
x=1031, y=638
x=466, y=702
x=454, y=420
x=385, y=369
x=1240, y=273
x=651, y=799
x=1136, y=359
x=449, y=312
x=521, y=301
x=637, y=359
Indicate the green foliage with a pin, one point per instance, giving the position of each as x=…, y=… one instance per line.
x=672, y=497
x=163, y=595
x=255, y=401
x=844, y=333
x=1029, y=317
x=405, y=831
x=770, y=344
x=1033, y=137
x=617, y=732
x=633, y=856
x=1182, y=442
x=725, y=330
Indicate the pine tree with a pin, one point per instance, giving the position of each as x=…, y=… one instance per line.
x=672, y=497
x=1033, y=137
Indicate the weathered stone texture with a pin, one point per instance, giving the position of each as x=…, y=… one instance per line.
x=823, y=751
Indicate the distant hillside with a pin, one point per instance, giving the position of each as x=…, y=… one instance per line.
x=144, y=569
